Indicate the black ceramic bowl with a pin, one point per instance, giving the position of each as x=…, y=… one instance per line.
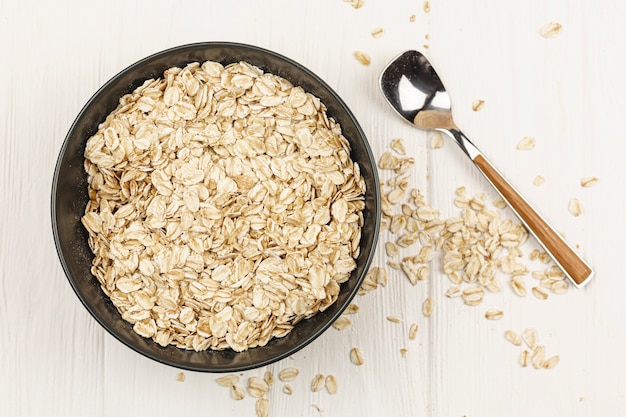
x=69, y=199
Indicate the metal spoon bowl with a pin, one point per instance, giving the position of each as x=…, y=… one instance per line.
x=413, y=88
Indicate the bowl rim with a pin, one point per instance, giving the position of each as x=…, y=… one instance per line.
x=177, y=49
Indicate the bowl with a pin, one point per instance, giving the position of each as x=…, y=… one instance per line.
x=70, y=197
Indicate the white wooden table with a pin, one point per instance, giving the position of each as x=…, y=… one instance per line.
x=567, y=92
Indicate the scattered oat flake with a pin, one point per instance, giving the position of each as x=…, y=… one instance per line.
x=351, y=309
x=411, y=271
x=426, y=6
x=318, y=382
x=539, y=180
x=257, y=387
x=237, y=392
x=342, y=323
x=477, y=105
x=228, y=380
x=413, y=329
x=555, y=272
x=412, y=18
x=331, y=384
x=499, y=203
x=288, y=374
x=369, y=283
x=551, y=362
x=287, y=389
x=394, y=319
x=403, y=352
x=398, y=222
x=550, y=30
x=356, y=356
x=362, y=57
x=534, y=255
x=180, y=377
x=268, y=377
x=381, y=276
x=526, y=143
x=318, y=408
x=538, y=356
x=588, y=181
x=427, y=307
x=513, y=337
x=378, y=32
x=262, y=407
x=393, y=264
x=494, y=314
x=529, y=336
x=518, y=286
x=391, y=249
x=540, y=293
x=539, y=274
x=454, y=291
x=388, y=161
x=559, y=287
x=357, y=4
x=523, y=358
x=395, y=196
x=473, y=295
x=436, y=141
x=398, y=146
x=574, y=207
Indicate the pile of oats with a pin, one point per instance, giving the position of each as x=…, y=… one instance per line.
x=224, y=207
x=476, y=246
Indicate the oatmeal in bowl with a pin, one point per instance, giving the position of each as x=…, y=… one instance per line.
x=227, y=209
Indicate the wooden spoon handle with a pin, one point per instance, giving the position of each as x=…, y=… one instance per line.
x=567, y=259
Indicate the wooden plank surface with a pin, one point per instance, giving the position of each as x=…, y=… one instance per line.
x=567, y=92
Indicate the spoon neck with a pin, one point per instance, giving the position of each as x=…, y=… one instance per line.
x=464, y=143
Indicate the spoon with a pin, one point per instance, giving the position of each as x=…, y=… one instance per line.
x=413, y=88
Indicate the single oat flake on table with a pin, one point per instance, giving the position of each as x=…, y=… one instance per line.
x=526, y=143
x=288, y=374
x=357, y=4
x=224, y=207
x=478, y=105
x=318, y=382
x=551, y=29
x=377, y=32
x=331, y=384
x=362, y=57
x=356, y=356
